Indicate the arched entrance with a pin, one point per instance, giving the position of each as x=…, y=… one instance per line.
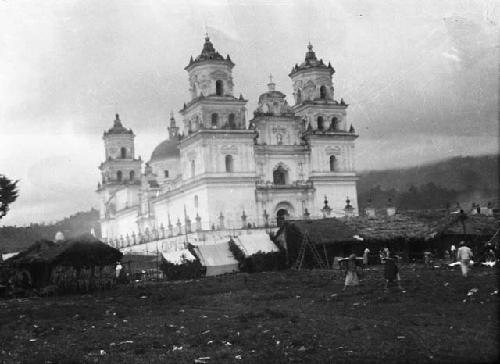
x=281, y=216
x=282, y=211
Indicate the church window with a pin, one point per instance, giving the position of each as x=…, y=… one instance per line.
x=335, y=124
x=131, y=175
x=229, y=163
x=232, y=124
x=299, y=96
x=215, y=120
x=165, y=173
x=123, y=152
x=322, y=92
x=195, y=201
x=119, y=175
x=320, y=123
x=280, y=176
x=333, y=163
x=219, y=88
x=192, y=168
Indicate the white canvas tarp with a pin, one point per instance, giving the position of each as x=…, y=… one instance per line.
x=254, y=243
x=178, y=257
x=217, y=258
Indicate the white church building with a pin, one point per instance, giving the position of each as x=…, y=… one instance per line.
x=225, y=173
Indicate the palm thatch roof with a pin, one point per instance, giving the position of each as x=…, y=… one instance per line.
x=82, y=252
x=324, y=231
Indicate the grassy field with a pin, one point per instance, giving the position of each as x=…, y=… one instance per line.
x=275, y=317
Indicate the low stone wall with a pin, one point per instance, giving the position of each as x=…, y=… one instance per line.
x=180, y=242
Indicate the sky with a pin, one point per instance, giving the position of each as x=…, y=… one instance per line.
x=420, y=77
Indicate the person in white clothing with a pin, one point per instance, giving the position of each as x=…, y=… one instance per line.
x=464, y=255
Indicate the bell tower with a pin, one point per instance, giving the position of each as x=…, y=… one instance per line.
x=120, y=175
x=327, y=132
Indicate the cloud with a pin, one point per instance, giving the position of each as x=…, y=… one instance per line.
x=421, y=78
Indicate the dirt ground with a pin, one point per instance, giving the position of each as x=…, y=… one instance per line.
x=275, y=317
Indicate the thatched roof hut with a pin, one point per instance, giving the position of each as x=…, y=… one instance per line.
x=78, y=253
x=42, y=257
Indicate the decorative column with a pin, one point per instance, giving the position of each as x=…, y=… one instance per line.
x=221, y=221
x=348, y=209
x=244, y=220
x=326, y=210
x=266, y=218
x=198, y=222
x=162, y=231
x=179, y=227
x=170, y=227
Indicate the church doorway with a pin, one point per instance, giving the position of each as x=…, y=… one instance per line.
x=281, y=216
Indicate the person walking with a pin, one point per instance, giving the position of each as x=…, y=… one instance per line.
x=366, y=252
x=453, y=252
x=464, y=255
x=391, y=272
x=351, y=274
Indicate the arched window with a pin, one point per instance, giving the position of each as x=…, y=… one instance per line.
x=320, y=123
x=131, y=175
x=165, y=173
x=299, y=96
x=229, y=163
x=195, y=201
x=232, y=124
x=123, y=152
x=215, y=120
x=280, y=176
x=119, y=175
x=335, y=124
x=322, y=92
x=192, y=168
x=333, y=163
x=219, y=88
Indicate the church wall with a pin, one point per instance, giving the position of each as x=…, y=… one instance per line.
x=126, y=223
x=231, y=199
x=336, y=192
x=323, y=148
x=159, y=168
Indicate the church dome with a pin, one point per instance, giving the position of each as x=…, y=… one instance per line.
x=168, y=149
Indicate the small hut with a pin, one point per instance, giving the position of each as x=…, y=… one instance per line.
x=330, y=236
x=80, y=264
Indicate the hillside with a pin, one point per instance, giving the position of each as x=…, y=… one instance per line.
x=460, y=179
x=15, y=238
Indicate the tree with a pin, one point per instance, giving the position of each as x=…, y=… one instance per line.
x=8, y=194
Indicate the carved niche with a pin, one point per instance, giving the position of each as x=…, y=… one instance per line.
x=336, y=150
x=229, y=149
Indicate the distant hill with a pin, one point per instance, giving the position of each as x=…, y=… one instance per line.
x=465, y=180
x=15, y=238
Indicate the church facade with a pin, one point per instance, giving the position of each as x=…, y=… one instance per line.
x=225, y=172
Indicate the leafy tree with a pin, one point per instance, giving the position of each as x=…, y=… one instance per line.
x=8, y=194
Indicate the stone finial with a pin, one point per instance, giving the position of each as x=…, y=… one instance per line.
x=271, y=85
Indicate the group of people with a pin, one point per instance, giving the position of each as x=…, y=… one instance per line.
x=463, y=256
x=391, y=270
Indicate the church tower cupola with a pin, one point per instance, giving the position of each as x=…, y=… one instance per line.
x=272, y=102
x=210, y=73
x=312, y=79
x=212, y=104
x=173, y=129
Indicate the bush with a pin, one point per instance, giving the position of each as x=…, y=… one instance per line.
x=186, y=270
x=259, y=262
